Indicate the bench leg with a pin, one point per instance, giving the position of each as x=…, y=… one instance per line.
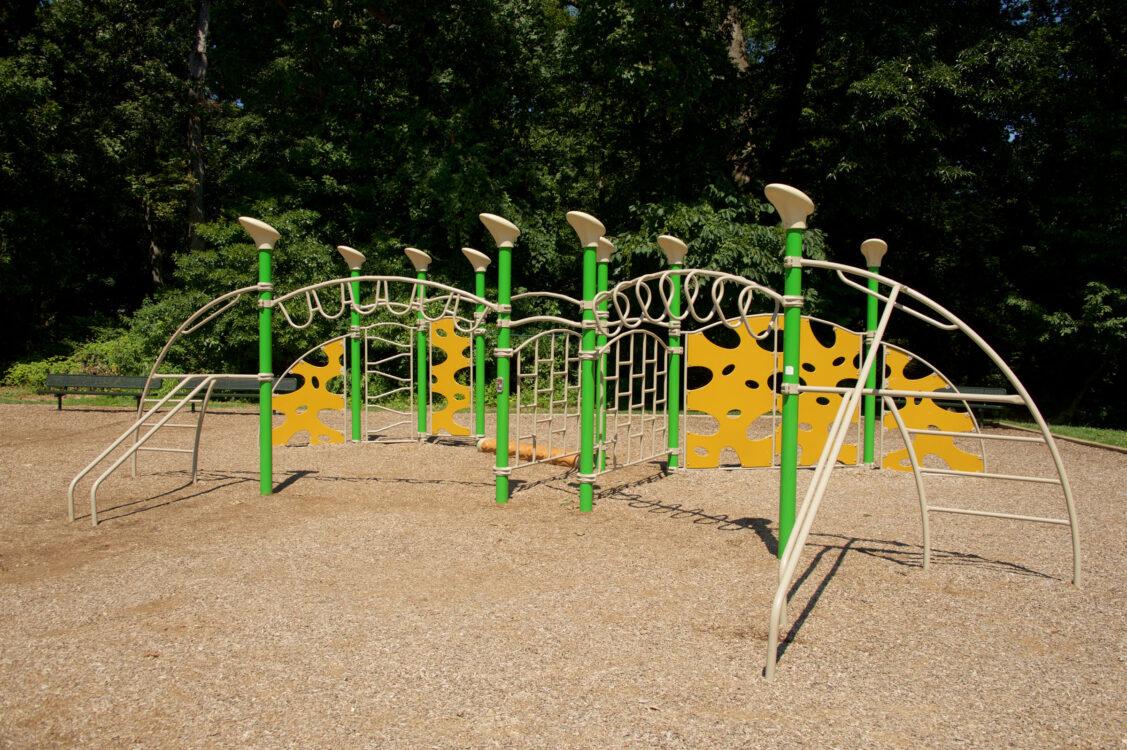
x=60, y=397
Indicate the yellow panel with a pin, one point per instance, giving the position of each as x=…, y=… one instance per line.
x=824, y=366
x=921, y=414
x=729, y=398
x=302, y=408
x=442, y=376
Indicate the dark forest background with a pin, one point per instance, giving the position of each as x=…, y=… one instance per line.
x=985, y=141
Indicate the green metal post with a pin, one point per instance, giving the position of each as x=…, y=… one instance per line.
x=874, y=251
x=675, y=251
x=354, y=259
x=504, y=233
x=589, y=230
x=421, y=261
x=602, y=283
x=264, y=237
x=354, y=359
x=793, y=207
x=265, y=387
x=480, y=262
x=587, y=386
x=504, y=356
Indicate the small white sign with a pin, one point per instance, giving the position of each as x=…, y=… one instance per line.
x=788, y=370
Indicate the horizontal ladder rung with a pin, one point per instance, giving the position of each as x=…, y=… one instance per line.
x=986, y=398
x=983, y=475
x=977, y=435
x=992, y=514
x=170, y=424
x=165, y=450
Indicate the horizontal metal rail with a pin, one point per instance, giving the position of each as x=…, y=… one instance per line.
x=992, y=514
x=986, y=398
x=981, y=475
x=975, y=435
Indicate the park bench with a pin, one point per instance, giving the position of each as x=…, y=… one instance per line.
x=993, y=410
x=67, y=384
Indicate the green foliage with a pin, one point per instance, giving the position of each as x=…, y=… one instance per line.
x=982, y=140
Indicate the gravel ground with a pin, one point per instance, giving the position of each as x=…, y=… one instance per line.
x=381, y=598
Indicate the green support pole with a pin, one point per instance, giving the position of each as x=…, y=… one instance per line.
x=602, y=283
x=674, y=250
x=589, y=230
x=422, y=262
x=874, y=251
x=479, y=261
x=354, y=259
x=793, y=207
x=504, y=233
x=264, y=237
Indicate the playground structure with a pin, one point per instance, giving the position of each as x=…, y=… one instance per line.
x=609, y=385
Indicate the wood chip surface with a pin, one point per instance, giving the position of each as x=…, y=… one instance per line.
x=381, y=598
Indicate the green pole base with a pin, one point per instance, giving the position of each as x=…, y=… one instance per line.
x=502, y=489
x=586, y=497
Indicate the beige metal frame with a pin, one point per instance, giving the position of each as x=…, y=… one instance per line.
x=815, y=493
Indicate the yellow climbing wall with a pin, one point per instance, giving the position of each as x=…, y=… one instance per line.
x=302, y=408
x=737, y=394
x=443, y=376
x=924, y=413
x=827, y=366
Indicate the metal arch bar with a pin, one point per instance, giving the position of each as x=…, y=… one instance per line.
x=914, y=460
x=992, y=514
x=1010, y=376
x=553, y=295
x=976, y=435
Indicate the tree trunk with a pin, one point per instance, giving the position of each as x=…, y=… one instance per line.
x=197, y=71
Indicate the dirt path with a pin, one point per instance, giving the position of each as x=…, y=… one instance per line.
x=382, y=599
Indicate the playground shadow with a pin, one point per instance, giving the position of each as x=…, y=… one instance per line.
x=171, y=497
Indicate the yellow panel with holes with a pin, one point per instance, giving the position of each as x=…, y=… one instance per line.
x=443, y=376
x=302, y=408
x=739, y=377
x=922, y=414
x=832, y=365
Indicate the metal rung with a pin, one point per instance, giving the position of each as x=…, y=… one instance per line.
x=981, y=475
x=166, y=450
x=977, y=435
x=985, y=398
x=991, y=514
x=170, y=424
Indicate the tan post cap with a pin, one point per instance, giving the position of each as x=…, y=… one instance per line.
x=873, y=250
x=504, y=231
x=477, y=259
x=793, y=205
x=354, y=258
x=587, y=227
x=262, y=233
x=419, y=259
x=604, y=250
x=673, y=248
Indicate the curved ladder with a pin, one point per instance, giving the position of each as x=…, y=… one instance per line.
x=815, y=493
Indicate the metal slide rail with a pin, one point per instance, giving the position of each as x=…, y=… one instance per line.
x=198, y=383
x=815, y=493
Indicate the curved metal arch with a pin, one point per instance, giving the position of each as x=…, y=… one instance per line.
x=956, y=323
x=193, y=323
x=623, y=335
x=307, y=352
x=621, y=312
x=544, y=334
x=450, y=298
x=815, y=492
